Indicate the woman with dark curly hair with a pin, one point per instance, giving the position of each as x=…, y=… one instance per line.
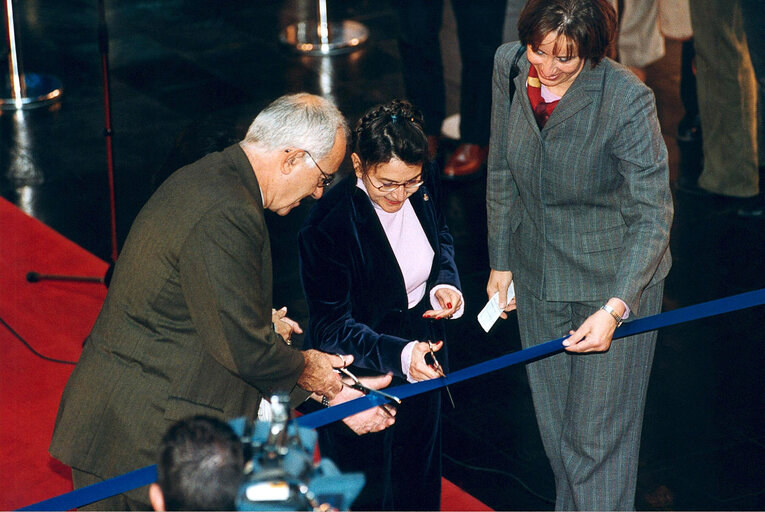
x=377, y=266
x=579, y=211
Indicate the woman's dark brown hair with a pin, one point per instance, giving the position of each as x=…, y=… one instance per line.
x=391, y=130
x=589, y=26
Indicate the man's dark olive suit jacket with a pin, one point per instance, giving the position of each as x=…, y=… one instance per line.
x=186, y=325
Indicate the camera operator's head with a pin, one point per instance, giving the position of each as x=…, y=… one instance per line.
x=200, y=466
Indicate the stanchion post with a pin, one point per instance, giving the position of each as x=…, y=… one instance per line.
x=24, y=90
x=324, y=38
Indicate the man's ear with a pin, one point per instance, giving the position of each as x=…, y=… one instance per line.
x=156, y=497
x=291, y=158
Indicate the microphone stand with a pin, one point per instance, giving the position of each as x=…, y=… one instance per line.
x=103, y=48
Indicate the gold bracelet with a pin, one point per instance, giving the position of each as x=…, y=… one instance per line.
x=608, y=309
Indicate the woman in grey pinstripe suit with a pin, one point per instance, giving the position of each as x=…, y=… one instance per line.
x=579, y=212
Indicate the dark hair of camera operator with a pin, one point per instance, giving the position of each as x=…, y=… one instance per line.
x=200, y=467
x=377, y=261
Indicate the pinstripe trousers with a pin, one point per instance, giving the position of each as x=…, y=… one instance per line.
x=589, y=407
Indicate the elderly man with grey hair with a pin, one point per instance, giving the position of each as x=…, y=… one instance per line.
x=187, y=326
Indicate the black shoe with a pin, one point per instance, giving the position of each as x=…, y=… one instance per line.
x=690, y=186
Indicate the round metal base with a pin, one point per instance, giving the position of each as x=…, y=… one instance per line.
x=41, y=90
x=306, y=37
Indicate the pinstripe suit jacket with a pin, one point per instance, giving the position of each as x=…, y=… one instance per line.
x=581, y=210
x=186, y=326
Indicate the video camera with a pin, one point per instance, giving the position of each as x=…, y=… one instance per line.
x=280, y=473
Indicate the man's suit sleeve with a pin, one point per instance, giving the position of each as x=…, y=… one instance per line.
x=647, y=203
x=225, y=275
x=501, y=190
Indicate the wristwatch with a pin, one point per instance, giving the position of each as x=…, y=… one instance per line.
x=608, y=309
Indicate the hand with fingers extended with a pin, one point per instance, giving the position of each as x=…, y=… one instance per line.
x=450, y=301
x=283, y=325
x=319, y=375
x=499, y=282
x=374, y=419
x=419, y=369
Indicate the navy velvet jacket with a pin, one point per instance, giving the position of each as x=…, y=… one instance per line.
x=354, y=287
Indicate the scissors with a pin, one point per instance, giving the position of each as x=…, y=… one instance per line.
x=364, y=389
x=430, y=359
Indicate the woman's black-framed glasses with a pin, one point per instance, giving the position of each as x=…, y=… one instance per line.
x=409, y=186
x=326, y=179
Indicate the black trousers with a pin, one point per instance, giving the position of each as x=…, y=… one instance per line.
x=479, y=30
x=402, y=464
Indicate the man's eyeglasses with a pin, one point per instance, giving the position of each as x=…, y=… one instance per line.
x=326, y=179
x=409, y=186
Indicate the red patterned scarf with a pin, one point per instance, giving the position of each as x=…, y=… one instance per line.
x=541, y=109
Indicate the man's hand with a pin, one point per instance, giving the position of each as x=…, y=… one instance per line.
x=418, y=368
x=284, y=325
x=374, y=419
x=499, y=281
x=319, y=376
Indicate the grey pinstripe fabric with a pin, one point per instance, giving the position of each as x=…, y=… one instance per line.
x=580, y=212
x=589, y=407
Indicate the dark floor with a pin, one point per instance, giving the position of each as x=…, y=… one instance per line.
x=188, y=75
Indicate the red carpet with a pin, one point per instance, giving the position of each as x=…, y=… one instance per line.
x=54, y=318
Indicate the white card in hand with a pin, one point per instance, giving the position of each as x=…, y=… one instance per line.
x=491, y=311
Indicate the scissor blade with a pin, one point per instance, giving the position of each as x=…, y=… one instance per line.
x=347, y=373
x=386, y=395
x=446, y=386
x=440, y=370
x=366, y=390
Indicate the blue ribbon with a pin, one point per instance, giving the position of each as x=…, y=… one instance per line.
x=99, y=491
x=641, y=325
x=147, y=475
